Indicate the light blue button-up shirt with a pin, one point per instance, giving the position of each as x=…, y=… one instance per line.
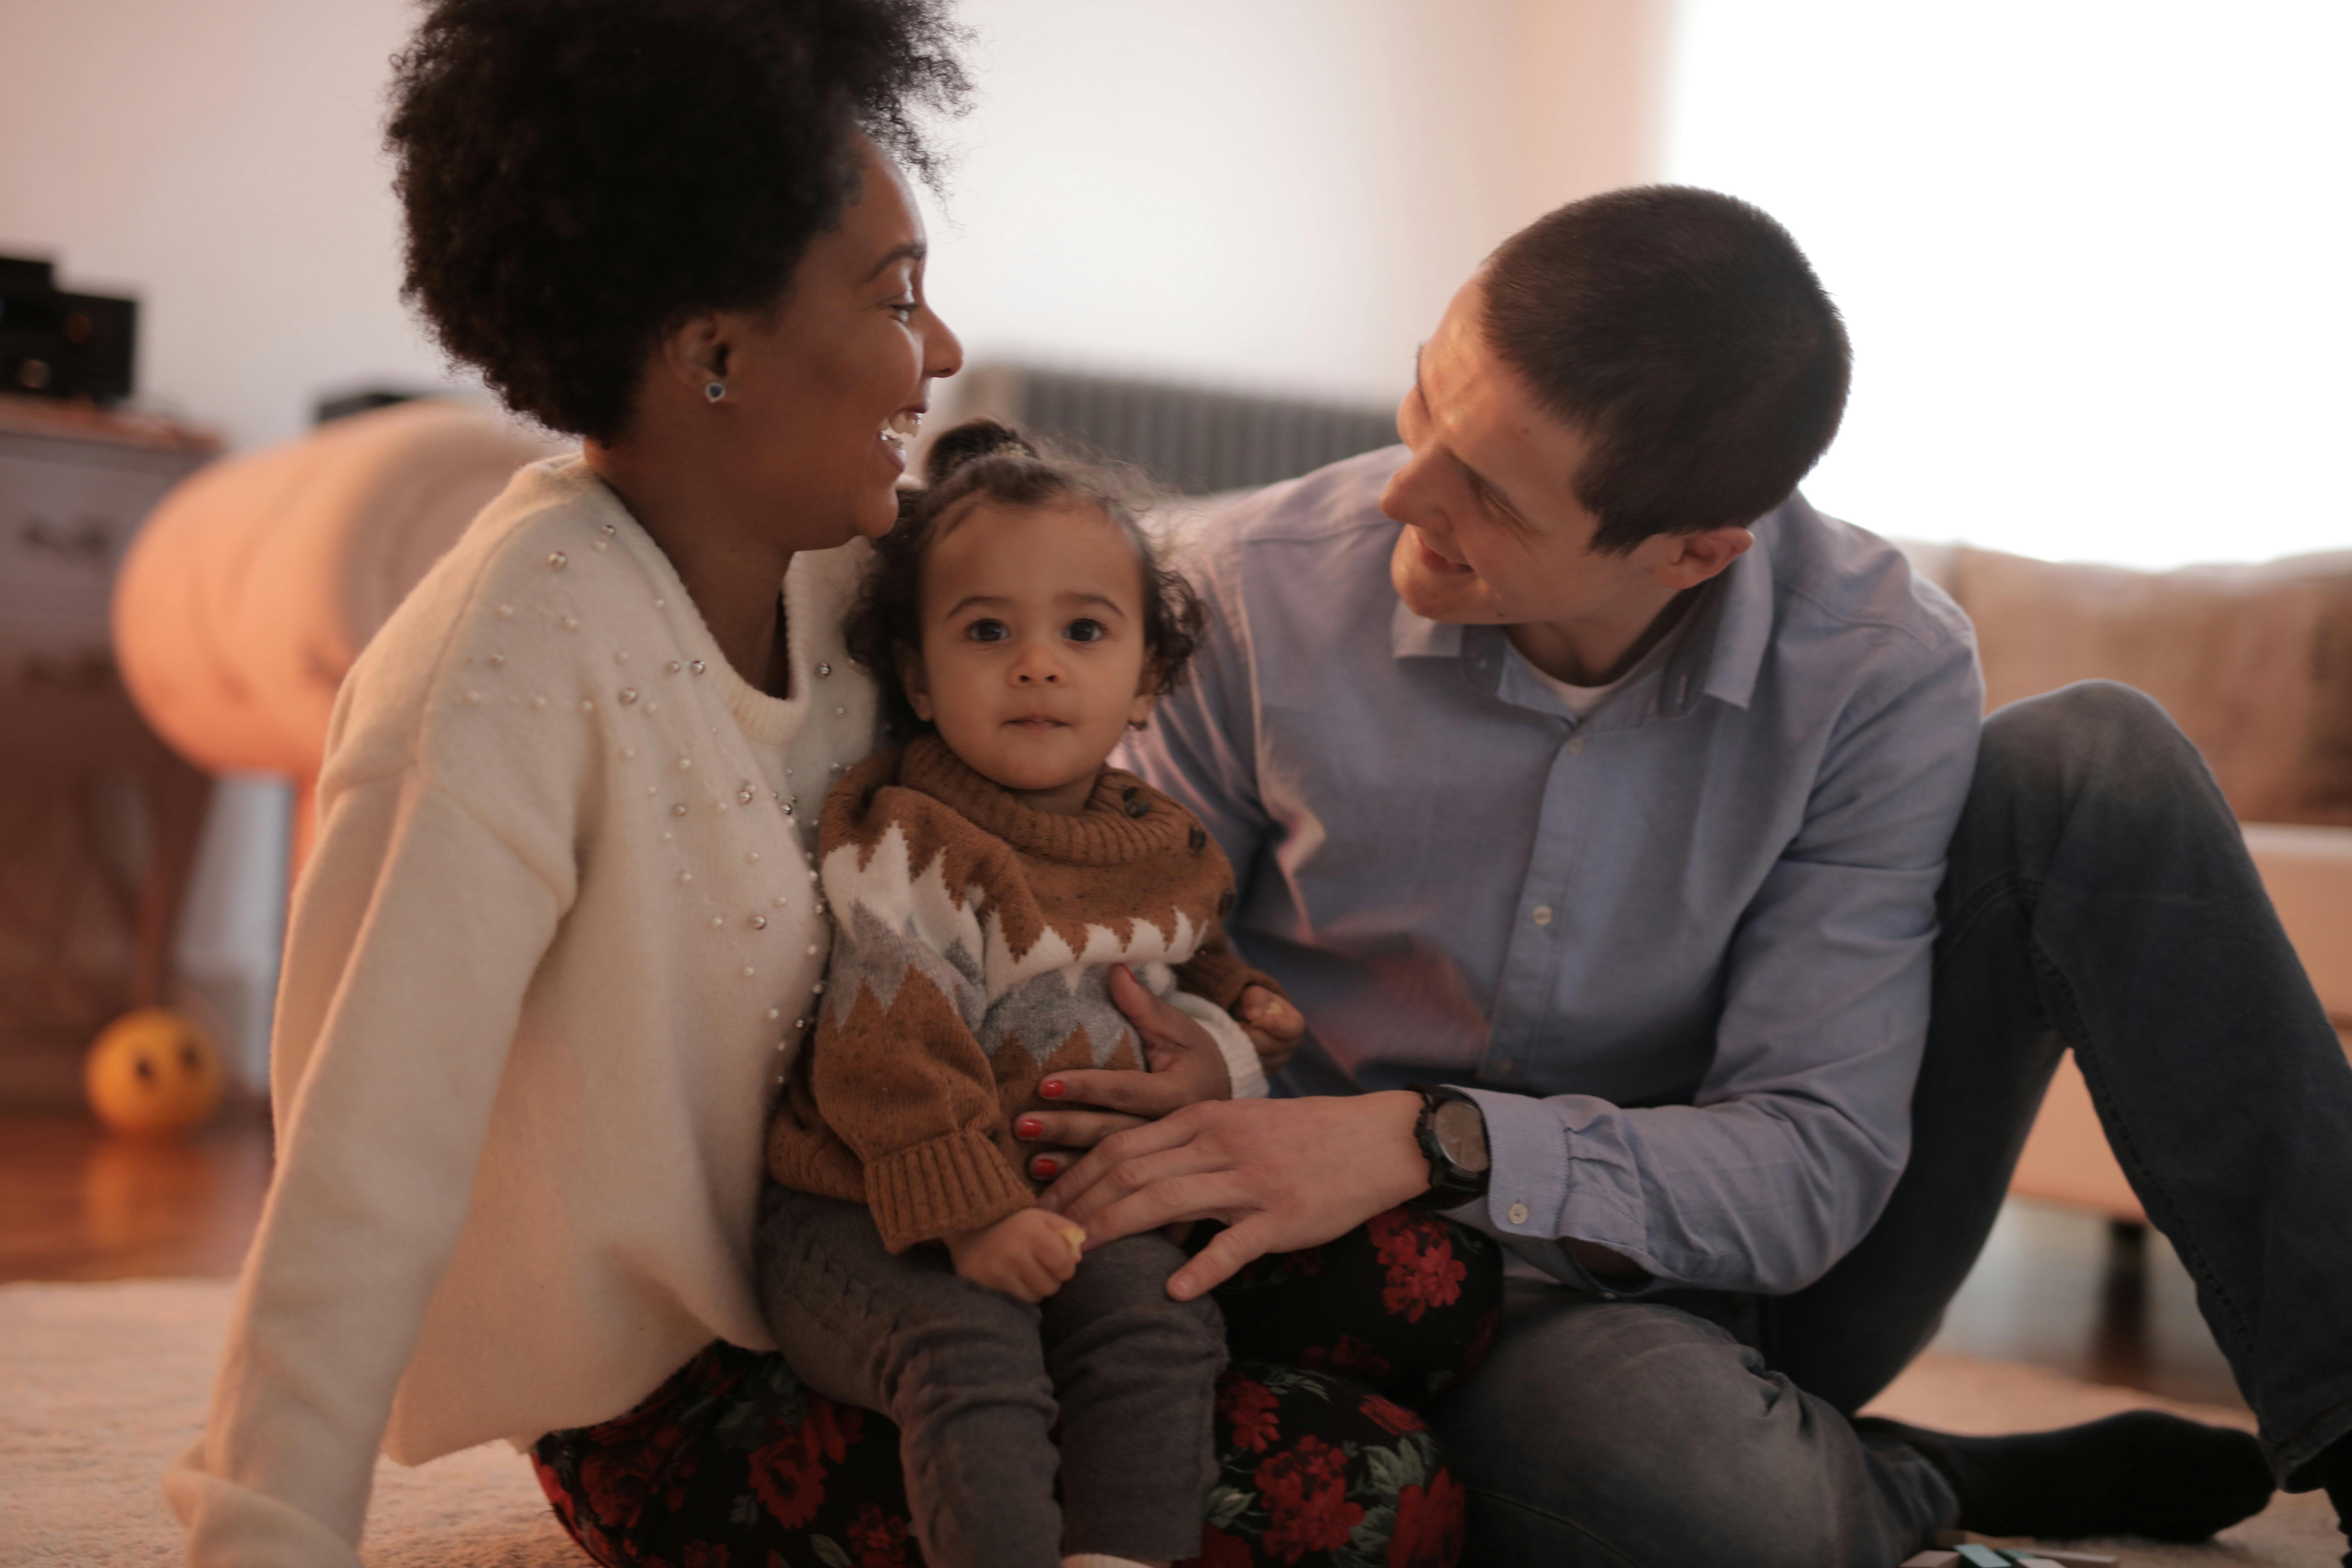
x=1679, y=952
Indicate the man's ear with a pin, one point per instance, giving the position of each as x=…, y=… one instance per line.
x=1691, y=559
x=916, y=685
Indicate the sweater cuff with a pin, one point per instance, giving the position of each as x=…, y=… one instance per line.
x=957, y=1183
x=1248, y=1074
x=231, y=1526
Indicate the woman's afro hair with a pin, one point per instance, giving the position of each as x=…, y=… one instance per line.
x=583, y=176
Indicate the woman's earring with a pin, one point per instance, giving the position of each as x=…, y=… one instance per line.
x=715, y=390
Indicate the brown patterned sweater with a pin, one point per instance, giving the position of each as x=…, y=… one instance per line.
x=972, y=942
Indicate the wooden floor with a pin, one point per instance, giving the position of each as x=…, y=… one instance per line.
x=2053, y=1288
x=76, y=1204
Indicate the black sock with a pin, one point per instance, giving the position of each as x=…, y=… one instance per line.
x=2141, y=1473
x=2333, y=1471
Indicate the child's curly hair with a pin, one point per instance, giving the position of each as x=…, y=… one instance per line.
x=980, y=459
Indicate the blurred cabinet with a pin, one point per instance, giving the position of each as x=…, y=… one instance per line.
x=98, y=820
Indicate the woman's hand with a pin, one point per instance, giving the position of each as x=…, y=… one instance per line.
x=1186, y=1068
x=1281, y=1174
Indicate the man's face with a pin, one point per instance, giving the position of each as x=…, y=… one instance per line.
x=1494, y=532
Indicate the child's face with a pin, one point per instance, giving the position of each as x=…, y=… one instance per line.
x=1032, y=659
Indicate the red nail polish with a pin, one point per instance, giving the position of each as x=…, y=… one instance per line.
x=1052, y=1089
x=1049, y=1168
x=1029, y=1127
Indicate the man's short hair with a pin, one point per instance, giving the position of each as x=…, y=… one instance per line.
x=1684, y=331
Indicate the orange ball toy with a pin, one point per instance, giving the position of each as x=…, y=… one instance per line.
x=151, y=1072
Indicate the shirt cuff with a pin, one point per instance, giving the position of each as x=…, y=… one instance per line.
x=1241, y=1065
x=1551, y=1184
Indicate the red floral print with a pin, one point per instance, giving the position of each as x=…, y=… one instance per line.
x=733, y=1463
x=789, y=1473
x=1482, y=1339
x=1350, y=1355
x=1422, y=1272
x=1248, y=1408
x=881, y=1537
x=1431, y=1524
x=1306, y=1490
x=1391, y=1417
x=790, y=1485
x=617, y=1486
x=1218, y=1550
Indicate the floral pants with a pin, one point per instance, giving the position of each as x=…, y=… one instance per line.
x=733, y=1463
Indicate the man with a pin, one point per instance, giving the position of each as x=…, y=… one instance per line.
x=1581, y=773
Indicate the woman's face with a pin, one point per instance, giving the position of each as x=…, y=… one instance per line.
x=823, y=393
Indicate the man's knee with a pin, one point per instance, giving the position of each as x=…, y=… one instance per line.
x=2092, y=730
x=1628, y=1434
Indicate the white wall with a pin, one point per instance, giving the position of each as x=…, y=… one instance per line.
x=2092, y=257
x=1227, y=188
x=220, y=160
x=1275, y=192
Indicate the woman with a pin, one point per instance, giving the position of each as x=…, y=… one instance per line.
x=558, y=930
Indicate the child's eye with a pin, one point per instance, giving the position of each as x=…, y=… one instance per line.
x=1087, y=630
x=987, y=630
x=905, y=308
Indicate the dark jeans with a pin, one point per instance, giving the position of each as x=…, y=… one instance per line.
x=2099, y=898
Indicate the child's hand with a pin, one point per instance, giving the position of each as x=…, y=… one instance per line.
x=1027, y=1255
x=1272, y=1024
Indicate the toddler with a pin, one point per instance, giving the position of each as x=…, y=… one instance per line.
x=984, y=878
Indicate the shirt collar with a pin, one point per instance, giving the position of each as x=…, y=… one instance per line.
x=1721, y=651
x=1413, y=637
x=1718, y=654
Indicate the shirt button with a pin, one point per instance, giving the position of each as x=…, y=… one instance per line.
x=1519, y=1215
x=1577, y=744
x=1542, y=915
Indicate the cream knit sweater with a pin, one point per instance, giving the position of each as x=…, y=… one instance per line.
x=544, y=971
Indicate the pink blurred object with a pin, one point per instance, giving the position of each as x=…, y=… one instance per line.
x=255, y=584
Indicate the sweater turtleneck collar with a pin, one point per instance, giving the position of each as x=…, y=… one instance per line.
x=1124, y=820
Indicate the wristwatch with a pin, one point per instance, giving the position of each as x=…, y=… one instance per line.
x=1451, y=1132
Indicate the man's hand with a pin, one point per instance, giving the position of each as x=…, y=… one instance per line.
x=1186, y=1068
x=1272, y=1024
x=1028, y=1254
x=1281, y=1173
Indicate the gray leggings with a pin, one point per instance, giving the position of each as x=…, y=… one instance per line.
x=975, y=1381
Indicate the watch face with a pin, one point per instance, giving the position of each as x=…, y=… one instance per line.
x=1461, y=1130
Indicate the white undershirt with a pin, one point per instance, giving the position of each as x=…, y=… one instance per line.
x=1581, y=700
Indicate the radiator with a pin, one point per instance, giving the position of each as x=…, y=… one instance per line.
x=1187, y=440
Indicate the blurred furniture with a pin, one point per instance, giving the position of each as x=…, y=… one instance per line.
x=80, y=348
x=257, y=583
x=98, y=819
x=2254, y=663
x=1190, y=440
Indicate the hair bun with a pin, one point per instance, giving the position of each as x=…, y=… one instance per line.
x=968, y=443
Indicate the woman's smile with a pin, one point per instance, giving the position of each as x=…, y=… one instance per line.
x=898, y=430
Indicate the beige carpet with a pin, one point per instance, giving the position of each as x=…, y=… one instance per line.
x=99, y=1384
